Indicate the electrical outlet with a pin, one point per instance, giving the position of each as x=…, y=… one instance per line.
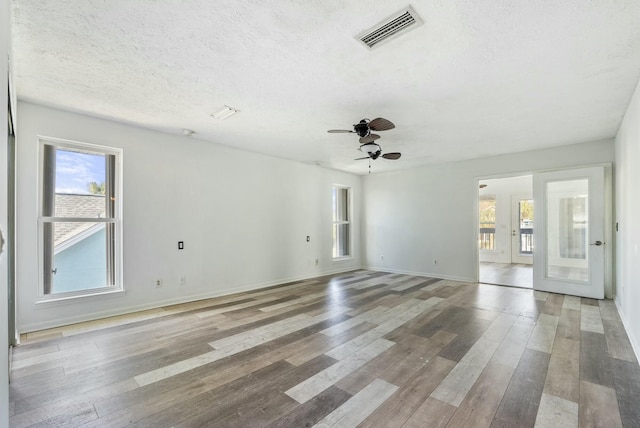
x=317, y=262
x=381, y=257
x=435, y=261
x=158, y=283
x=183, y=280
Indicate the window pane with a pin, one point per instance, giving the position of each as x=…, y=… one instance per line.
x=340, y=204
x=525, y=209
x=79, y=256
x=567, y=227
x=80, y=184
x=341, y=240
x=487, y=222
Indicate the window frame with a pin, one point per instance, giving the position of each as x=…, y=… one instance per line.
x=349, y=222
x=116, y=219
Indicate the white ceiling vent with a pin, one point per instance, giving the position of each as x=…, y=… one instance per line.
x=392, y=27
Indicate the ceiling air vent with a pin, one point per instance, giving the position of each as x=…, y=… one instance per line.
x=395, y=25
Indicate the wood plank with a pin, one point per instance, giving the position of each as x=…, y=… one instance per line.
x=598, y=406
x=571, y=302
x=481, y=402
x=563, y=376
x=103, y=377
x=410, y=396
x=415, y=357
x=519, y=406
x=361, y=405
x=556, y=412
x=618, y=344
x=314, y=410
x=514, y=344
x=312, y=386
x=223, y=400
x=305, y=353
x=569, y=324
x=436, y=412
x=595, y=364
x=590, y=319
x=398, y=364
x=589, y=302
x=544, y=333
x=391, y=320
x=627, y=386
x=459, y=381
x=553, y=304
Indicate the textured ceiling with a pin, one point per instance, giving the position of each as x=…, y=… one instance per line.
x=479, y=78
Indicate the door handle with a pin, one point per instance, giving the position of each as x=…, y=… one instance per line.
x=597, y=243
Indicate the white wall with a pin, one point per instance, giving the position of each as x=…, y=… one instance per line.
x=627, y=146
x=4, y=340
x=503, y=189
x=243, y=217
x=415, y=216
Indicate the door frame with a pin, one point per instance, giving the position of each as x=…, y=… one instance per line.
x=609, y=236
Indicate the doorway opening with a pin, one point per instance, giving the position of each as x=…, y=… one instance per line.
x=506, y=222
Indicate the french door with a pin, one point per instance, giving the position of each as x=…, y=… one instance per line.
x=569, y=237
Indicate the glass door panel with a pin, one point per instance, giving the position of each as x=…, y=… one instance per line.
x=567, y=231
x=522, y=229
x=569, y=235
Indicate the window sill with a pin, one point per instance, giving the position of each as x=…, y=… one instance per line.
x=341, y=259
x=72, y=298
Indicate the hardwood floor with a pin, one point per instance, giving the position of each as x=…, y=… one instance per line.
x=512, y=274
x=365, y=348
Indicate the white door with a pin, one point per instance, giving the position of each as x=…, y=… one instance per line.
x=522, y=229
x=569, y=234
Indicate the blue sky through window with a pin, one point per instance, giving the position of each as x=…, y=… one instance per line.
x=75, y=170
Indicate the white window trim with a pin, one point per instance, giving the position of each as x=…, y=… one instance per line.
x=118, y=287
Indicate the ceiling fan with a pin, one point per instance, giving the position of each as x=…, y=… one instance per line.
x=364, y=128
x=374, y=151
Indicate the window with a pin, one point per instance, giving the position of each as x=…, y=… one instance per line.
x=341, y=222
x=79, y=222
x=487, y=222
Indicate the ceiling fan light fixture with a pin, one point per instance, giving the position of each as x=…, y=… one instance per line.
x=225, y=112
x=370, y=148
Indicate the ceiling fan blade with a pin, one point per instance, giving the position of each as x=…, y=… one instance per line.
x=381, y=124
x=340, y=131
x=392, y=156
x=367, y=157
x=369, y=138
